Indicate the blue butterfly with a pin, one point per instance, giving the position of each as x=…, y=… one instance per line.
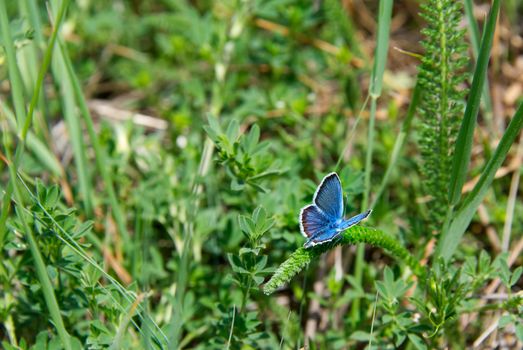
x=323, y=220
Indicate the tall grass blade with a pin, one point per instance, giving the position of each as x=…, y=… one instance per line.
x=45, y=65
x=461, y=160
x=475, y=38
x=34, y=144
x=450, y=240
x=376, y=83
x=73, y=125
x=382, y=47
x=17, y=90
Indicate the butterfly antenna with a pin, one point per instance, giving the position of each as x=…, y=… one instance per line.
x=373, y=319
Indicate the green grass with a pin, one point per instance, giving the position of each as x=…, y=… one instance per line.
x=118, y=233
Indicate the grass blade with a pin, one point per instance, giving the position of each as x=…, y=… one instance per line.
x=35, y=145
x=73, y=125
x=475, y=40
x=461, y=160
x=17, y=89
x=451, y=238
x=376, y=82
x=382, y=47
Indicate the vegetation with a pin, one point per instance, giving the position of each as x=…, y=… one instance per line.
x=155, y=156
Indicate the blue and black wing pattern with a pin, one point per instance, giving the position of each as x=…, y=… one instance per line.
x=329, y=196
x=312, y=221
x=354, y=220
x=323, y=236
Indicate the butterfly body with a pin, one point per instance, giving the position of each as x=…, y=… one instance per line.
x=323, y=220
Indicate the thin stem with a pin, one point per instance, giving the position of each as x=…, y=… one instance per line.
x=360, y=250
x=232, y=326
x=14, y=73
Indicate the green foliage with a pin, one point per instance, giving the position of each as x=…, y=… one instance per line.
x=153, y=177
x=441, y=77
x=76, y=284
x=246, y=160
x=398, y=325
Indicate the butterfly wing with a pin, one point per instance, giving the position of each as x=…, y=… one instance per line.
x=353, y=220
x=323, y=236
x=312, y=221
x=316, y=226
x=329, y=197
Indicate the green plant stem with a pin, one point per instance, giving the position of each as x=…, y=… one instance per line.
x=360, y=249
x=12, y=67
x=246, y=295
x=376, y=82
x=73, y=124
x=45, y=65
x=356, y=234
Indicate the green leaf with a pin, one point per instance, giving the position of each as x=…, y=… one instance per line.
x=246, y=224
x=504, y=321
x=260, y=264
x=214, y=124
x=360, y=336
x=515, y=276
x=258, y=187
x=450, y=239
x=461, y=159
x=265, y=174
x=417, y=341
x=382, y=289
x=519, y=331
x=382, y=47
x=252, y=139
x=388, y=277
x=233, y=130
x=259, y=215
x=236, y=264
x=213, y=135
x=236, y=185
